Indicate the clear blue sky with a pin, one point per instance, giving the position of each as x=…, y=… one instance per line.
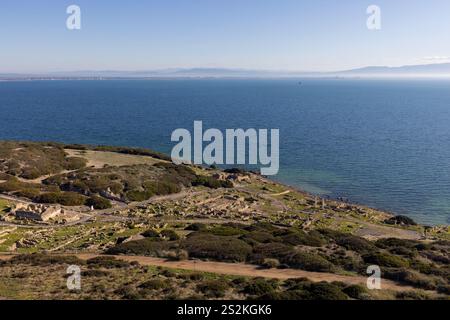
x=256, y=34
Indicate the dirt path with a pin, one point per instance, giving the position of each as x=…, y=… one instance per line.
x=247, y=270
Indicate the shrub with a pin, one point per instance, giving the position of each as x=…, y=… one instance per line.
x=138, y=196
x=170, y=234
x=255, y=237
x=154, y=284
x=349, y=241
x=150, y=233
x=95, y=273
x=260, y=287
x=411, y=278
x=299, y=237
x=307, y=261
x=203, y=245
x=223, y=230
x=270, y=263
x=324, y=291
x=107, y=263
x=196, y=227
x=385, y=260
x=75, y=163
x=355, y=291
x=28, y=193
x=213, y=288
x=412, y=295
x=161, y=187
x=64, y=198
x=402, y=220
x=145, y=246
x=40, y=259
x=98, y=203
x=211, y=182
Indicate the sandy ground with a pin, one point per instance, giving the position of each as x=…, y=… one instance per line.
x=99, y=158
x=247, y=270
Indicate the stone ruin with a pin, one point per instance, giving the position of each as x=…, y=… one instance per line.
x=37, y=212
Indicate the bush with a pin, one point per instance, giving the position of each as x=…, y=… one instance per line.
x=196, y=227
x=154, y=284
x=150, y=233
x=299, y=237
x=350, y=242
x=161, y=187
x=270, y=263
x=385, y=260
x=355, y=291
x=307, y=261
x=75, y=163
x=107, y=263
x=177, y=255
x=324, y=291
x=28, y=193
x=411, y=278
x=256, y=237
x=138, y=196
x=95, y=273
x=213, y=288
x=211, y=182
x=203, y=245
x=63, y=198
x=40, y=259
x=223, y=230
x=402, y=220
x=145, y=246
x=259, y=287
x=98, y=203
x=170, y=234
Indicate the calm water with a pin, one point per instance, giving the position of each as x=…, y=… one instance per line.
x=381, y=143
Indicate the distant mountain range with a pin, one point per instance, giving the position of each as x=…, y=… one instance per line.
x=429, y=70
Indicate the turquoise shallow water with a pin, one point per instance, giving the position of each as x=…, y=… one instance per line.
x=385, y=144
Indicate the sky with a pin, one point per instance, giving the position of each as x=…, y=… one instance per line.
x=297, y=35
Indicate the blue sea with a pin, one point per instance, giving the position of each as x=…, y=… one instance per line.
x=382, y=143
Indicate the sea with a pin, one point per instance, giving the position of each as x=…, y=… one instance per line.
x=381, y=143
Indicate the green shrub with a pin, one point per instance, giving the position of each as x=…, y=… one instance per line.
x=401, y=220
x=350, y=242
x=203, y=245
x=170, y=234
x=28, y=193
x=211, y=182
x=75, y=163
x=259, y=287
x=63, y=198
x=95, y=273
x=40, y=259
x=107, y=263
x=161, y=187
x=98, y=203
x=150, y=233
x=223, y=230
x=410, y=277
x=355, y=291
x=146, y=246
x=299, y=237
x=138, y=196
x=155, y=284
x=255, y=237
x=196, y=227
x=307, y=261
x=385, y=260
x=324, y=291
x=213, y=288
